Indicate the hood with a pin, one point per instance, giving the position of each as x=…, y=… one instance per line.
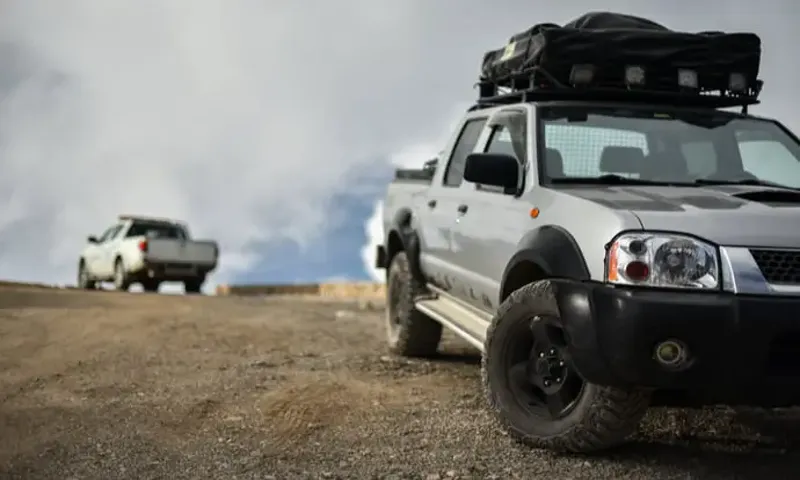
x=729, y=215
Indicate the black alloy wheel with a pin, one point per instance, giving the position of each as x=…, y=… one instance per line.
x=541, y=374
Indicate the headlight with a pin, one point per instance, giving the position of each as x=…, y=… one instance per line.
x=662, y=260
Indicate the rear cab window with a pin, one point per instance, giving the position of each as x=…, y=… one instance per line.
x=156, y=230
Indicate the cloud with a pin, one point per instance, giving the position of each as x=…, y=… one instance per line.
x=236, y=116
x=249, y=118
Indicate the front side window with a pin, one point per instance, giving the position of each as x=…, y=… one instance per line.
x=109, y=234
x=500, y=142
x=679, y=147
x=465, y=145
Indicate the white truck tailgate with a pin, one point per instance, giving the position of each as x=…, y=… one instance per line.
x=182, y=251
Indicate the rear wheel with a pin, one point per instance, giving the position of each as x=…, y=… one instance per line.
x=121, y=280
x=193, y=286
x=410, y=332
x=85, y=281
x=151, y=285
x=536, y=394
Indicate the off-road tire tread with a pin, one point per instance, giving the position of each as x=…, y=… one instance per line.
x=89, y=284
x=611, y=418
x=193, y=287
x=419, y=334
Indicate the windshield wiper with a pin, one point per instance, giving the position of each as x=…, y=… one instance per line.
x=609, y=179
x=742, y=181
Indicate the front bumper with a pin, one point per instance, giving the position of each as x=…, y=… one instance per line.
x=744, y=348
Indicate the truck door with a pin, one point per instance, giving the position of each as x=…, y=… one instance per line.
x=491, y=221
x=94, y=253
x=106, y=250
x=437, y=212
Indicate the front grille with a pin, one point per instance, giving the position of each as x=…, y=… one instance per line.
x=778, y=266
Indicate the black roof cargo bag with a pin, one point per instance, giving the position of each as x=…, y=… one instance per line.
x=610, y=43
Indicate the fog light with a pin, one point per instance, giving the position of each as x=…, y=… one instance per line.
x=671, y=354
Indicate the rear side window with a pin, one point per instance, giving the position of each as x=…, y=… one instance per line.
x=463, y=147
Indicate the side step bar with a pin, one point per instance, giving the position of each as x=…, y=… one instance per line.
x=463, y=320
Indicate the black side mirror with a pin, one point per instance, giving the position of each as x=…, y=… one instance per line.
x=494, y=169
x=91, y=239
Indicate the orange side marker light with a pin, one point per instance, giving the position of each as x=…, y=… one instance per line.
x=613, y=273
x=534, y=212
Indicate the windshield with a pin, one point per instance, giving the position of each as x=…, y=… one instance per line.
x=666, y=146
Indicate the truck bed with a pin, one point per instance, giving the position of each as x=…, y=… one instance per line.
x=416, y=175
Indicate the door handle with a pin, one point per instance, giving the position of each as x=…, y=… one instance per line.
x=462, y=208
x=431, y=203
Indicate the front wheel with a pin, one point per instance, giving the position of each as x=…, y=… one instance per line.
x=85, y=281
x=536, y=394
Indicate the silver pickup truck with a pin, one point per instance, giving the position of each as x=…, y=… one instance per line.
x=606, y=249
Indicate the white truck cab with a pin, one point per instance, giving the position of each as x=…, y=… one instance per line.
x=149, y=251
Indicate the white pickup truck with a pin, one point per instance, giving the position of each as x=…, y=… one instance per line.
x=148, y=251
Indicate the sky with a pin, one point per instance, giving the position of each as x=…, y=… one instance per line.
x=272, y=126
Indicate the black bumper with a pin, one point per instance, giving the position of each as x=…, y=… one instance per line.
x=166, y=271
x=740, y=346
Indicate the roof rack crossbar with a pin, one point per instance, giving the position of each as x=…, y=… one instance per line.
x=536, y=84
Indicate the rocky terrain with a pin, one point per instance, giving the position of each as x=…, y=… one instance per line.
x=105, y=386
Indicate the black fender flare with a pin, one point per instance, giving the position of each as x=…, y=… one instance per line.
x=403, y=226
x=553, y=250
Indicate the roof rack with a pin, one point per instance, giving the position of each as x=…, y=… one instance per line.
x=145, y=218
x=535, y=85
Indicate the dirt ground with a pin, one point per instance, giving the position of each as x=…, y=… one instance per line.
x=133, y=386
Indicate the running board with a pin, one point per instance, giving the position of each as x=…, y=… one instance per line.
x=461, y=319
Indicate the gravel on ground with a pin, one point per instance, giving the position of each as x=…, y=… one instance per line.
x=103, y=385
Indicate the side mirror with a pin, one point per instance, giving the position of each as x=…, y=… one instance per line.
x=91, y=239
x=494, y=169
